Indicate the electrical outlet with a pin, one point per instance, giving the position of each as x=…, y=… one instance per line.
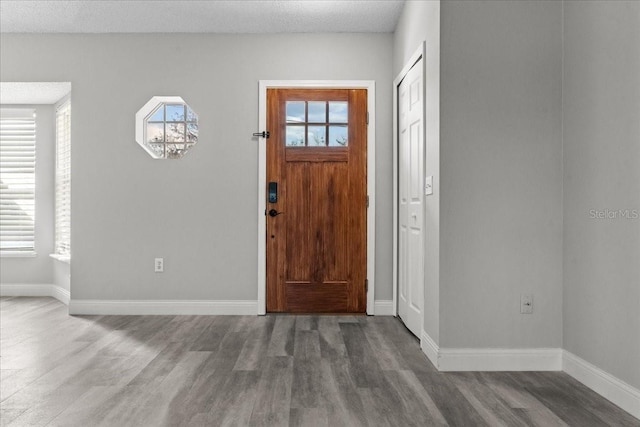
x=428, y=185
x=159, y=265
x=526, y=304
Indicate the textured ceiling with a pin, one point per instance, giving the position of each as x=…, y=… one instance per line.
x=189, y=16
x=33, y=92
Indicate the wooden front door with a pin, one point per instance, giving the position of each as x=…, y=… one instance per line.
x=316, y=200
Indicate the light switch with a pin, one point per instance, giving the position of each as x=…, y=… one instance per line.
x=428, y=185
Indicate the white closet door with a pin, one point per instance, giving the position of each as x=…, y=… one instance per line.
x=411, y=199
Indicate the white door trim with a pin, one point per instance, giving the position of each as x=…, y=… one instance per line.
x=420, y=53
x=370, y=85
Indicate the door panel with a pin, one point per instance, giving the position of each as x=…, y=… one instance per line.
x=316, y=245
x=411, y=199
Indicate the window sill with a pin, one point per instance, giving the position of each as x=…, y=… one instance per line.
x=62, y=258
x=18, y=254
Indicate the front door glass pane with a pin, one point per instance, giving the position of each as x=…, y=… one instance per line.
x=295, y=111
x=317, y=112
x=338, y=112
x=338, y=136
x=295, y=136
x=316, y=136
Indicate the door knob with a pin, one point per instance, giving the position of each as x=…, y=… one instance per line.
x=274, y=212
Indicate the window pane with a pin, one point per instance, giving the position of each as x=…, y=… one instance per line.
x=175, y=132
x=175, y=151
x=192, y=132
x=155, y=132
x=317, y=112
x=158, y=149
x=175, y=113
x=158, y=114
x=17, y=179
x=191, y=116
x=316, y=136
x=295, y=136
x=338, y=112
x=63, y=180
x=338, y=136
x=295, y=111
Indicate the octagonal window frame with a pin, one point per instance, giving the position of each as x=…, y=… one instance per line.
x=165, y=148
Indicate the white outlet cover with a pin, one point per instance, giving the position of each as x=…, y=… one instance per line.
x=159, y=265
x=526, y=304
x=428, y=185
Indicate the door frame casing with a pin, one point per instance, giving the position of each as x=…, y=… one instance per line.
x=419, y=54
x=263, y=85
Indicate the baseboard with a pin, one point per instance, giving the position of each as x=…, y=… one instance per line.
x=60, y=294
x=430, y=348
x=499, y=359
x=383, y=308
x=603, y=383
x=35, y=290
x=25, y=290
x=162, y=307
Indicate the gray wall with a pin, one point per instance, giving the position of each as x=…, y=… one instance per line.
x=61, y=274
x=602, y=171
x=494, y=224
x=38, y=269
x=198, y=213
x=420, y=21
x=501, y=173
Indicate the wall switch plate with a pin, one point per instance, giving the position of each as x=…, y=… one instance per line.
x=428, y=185
x=526, y=304
x=159, y=265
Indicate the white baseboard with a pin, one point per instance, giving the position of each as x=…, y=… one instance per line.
x=603, y=383
x=60, y=294
x=499, y=359
x=383, y=308
x=156, y=307
x=430, y=348
x=162, y=307
x=534, y=359
x=26, y=290
x=35, y=290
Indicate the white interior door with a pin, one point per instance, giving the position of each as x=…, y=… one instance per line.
x=411, y=199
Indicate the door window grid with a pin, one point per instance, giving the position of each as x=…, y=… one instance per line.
x=317, y=124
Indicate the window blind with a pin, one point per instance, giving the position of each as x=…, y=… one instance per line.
x=63, y=179
x=17, y=179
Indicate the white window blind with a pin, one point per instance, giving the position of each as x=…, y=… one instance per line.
x=63, y=180
x=17, y=179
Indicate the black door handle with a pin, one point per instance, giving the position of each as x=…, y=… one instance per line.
x=274, y=212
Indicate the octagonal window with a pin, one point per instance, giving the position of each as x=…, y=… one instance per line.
x=166, y=127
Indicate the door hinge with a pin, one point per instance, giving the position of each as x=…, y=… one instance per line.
x=367, y=117
x=366, y=285
x=367, y=201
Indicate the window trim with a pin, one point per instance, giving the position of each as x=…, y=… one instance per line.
x=17, y=254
